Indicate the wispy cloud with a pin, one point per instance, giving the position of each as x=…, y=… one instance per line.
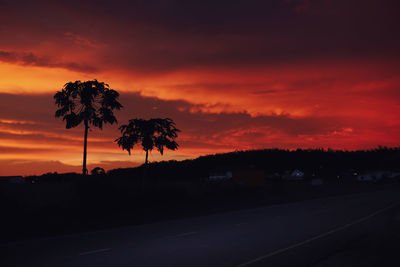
x=30, y=59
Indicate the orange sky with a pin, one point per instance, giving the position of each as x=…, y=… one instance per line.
x=285, y=74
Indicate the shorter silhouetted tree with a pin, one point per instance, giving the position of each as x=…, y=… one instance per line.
x=154, y=133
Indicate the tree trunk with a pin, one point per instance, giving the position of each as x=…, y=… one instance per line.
x=144, y=173
x=84, y=170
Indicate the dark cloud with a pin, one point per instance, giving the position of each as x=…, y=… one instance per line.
x=153, y=36
x=33, y=108
x=52, y=138
x=31, y=59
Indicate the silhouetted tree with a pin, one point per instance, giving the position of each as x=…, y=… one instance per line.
x=158, y=133
x=90, y=102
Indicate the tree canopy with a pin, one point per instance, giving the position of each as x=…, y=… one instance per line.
x=154, y=133
x=90, y=101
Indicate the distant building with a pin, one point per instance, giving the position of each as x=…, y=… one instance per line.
x=293, y=175
x=218, y=176
x=373, y=176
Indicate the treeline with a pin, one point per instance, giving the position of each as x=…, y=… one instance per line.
x=312, y=160
x=317, y=161
x=321, y=162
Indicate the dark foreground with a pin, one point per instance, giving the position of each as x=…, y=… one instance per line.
x=360, y=229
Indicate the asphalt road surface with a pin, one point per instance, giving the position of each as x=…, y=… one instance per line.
x=294, y=234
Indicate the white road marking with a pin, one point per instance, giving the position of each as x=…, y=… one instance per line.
x=316, y=237
x=185, y=234
x=94, y=251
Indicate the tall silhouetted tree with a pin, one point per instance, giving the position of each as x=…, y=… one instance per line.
x=154, y=133
x=90, y=102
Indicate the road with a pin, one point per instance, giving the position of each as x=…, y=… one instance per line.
x=293, y=234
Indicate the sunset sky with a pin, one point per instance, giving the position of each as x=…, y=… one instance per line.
x=233, y=75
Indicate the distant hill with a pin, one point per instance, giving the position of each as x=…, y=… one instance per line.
x=328, y=163
x=320, y=161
